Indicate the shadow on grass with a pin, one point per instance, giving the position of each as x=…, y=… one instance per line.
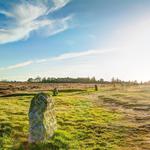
x=33, y=94
x=71, y=90
x=60, y=140
x=18, y=94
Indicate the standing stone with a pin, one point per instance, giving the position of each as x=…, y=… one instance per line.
x=96, y=87
x=55, y=92
x=42, y=121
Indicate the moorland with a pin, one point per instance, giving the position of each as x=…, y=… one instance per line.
x=112, y=118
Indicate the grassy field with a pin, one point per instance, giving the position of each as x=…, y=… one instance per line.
x=113, y=118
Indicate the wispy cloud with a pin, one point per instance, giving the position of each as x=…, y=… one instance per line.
x=61, y=57
x=25, y=17
x=58, y=4
x=20, y=65
x=80, y=54
x=72, y=55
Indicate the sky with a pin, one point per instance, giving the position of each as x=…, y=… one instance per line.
x=75, y=38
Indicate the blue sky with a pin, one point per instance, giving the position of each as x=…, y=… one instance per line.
x=102, y=38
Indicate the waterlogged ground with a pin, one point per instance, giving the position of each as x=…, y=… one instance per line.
x=113, y=118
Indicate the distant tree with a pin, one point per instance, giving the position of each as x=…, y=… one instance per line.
x=48, y=79
x=101, y=80
x=37, y=79
x=113, y=80
x=135, y=82
x=44, y=80
x=30, y=80
x=93, y=80
x=65, y=80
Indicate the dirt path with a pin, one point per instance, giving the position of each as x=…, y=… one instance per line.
x=135, y=108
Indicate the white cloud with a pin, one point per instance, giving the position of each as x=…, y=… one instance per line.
x=66, y=56
x=80, y=54
x=25, y=17
x=6, y=13
x=55, y=26
x=61, y=57
x=58, y=4
x=20, y=65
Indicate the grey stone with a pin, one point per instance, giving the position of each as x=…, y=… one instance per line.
x=42, y=120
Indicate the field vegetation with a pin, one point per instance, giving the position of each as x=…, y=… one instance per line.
x=112, y=118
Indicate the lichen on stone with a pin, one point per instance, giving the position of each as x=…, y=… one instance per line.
x=42, y=121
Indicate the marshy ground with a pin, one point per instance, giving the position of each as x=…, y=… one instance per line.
x=112, y=118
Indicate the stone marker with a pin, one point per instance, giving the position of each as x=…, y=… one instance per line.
x=96, y=87
x=42, y=121
x=55, y=92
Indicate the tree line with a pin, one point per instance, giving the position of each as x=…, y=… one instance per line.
x=64, y=80
x=78, y=80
